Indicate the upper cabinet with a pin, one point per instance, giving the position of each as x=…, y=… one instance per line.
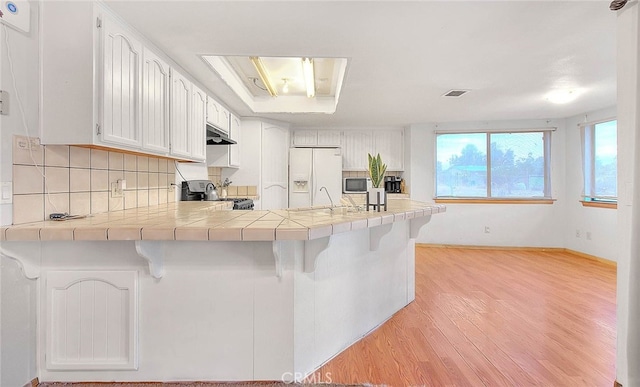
x=217, y=115
x=121, y=91
x=355, y=147
x=329, y=138
x=227, y=156
x=198, y=123
x=390, y=145
x=234, y=133
x=180, y=115
x=110, y=89
x=316, y=138
x=155, y=103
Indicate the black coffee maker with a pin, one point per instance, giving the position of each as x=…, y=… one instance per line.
x=392, y=184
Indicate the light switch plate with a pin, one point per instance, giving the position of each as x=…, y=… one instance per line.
x=7, y=193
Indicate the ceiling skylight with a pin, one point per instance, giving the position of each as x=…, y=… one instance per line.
x=283, y=84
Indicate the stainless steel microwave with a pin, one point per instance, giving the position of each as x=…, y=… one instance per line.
x=356, y=184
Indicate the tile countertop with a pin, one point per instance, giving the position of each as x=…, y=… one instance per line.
x=201, y=221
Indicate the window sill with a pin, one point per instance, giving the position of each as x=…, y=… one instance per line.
x=597, y=204
x=494, y=201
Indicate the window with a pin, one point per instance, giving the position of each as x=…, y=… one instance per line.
x=493, y=165
x=601, y=161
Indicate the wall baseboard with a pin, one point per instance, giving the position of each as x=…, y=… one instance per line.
x=541, y=249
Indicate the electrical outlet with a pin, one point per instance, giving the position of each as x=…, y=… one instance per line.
x=487, y=230
x=578, y=234
x=118, y=187
x=588, y=235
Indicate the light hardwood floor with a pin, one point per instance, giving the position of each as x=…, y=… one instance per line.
x=494, y=318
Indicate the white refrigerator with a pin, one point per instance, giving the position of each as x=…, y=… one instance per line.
x=311, y=169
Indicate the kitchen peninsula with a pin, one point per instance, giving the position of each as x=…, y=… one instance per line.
x=188, y=291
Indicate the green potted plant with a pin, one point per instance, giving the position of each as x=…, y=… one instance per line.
x=376, y=172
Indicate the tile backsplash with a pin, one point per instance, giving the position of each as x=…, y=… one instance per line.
x=233, y=191
x=78, y=180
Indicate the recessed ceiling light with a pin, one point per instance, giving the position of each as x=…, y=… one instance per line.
x=562, y=96
x=455, y=93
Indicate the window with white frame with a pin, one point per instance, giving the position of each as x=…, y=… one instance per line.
x=600, y=150
x=493, y=164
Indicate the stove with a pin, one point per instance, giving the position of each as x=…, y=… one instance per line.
x=240, y=203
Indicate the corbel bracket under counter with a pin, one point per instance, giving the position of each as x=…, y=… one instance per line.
x=27, y=255
x=312, y=250
x=153, y=253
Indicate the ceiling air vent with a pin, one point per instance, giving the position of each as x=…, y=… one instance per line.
x=455, y=93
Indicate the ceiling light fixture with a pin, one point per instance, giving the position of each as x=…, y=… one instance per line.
x=309, y=76
x=264, y=75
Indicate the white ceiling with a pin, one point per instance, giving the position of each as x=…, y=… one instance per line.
x=404, y=55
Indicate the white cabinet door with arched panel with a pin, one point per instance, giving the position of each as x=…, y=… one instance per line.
x=155, y=103
x=275, y=167
x=198, y=123
x=121, y=81
x=180, y=114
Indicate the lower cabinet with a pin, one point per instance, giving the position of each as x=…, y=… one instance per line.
x=91, y=320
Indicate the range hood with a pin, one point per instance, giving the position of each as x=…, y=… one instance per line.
x=216, y=137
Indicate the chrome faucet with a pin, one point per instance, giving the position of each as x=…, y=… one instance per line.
x=329, y=196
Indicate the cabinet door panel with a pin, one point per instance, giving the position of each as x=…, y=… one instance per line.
x=329, y=138
x=234, y=133
x=355, y=147
x=198, y=123
x=155, y=103
x=390, y=145
x=122, y=55
x=275, y=157
x=305, y=138
x=180, y=109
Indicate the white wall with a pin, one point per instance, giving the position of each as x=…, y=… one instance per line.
x=628, y=284
x=17, y=294
x=600, y=222
x=530, y=225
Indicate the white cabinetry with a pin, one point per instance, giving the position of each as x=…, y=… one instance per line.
x=357, y=144
x=121, y=81
x=355, y=147
x=329, y=138
x=226, y=156
x=110, y=88
x=304, y=138
x=316, y=138
x=180, y=114
x=96, y=311
x=217, y=115
x=234, y=133
x=275, y=157
x=155, y=103
x=198, y=124
x=390, y=145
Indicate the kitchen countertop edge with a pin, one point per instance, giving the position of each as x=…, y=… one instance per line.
x=301, y=224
